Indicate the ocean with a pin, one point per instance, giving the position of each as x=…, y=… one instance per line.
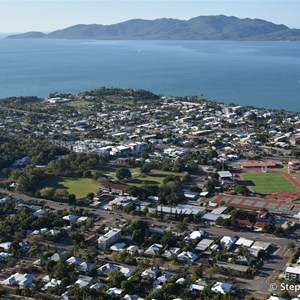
x=262, y=74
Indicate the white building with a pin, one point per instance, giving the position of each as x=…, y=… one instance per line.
x=109, y=238
x=292, y=273
x=228, y=241
x=244, y=242
x=222, y=288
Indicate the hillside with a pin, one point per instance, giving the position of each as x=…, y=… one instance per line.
x=200, y=28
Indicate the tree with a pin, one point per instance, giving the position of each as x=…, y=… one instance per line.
x=168, y=240
x=127, y=286
x=291, y=246
x=210, y=186
x=77, y=238
x=72, y=199
x=15, y=249
x=61, y=194
x=90, y=196
x=89, y=222
x=115, y=278
x=138, y=237
x=47, y=193
x=241, y=189
x=284, y=294
x=87, y=174
x=146, y=168
x=269, y=228
x=35, y=249
x=123, y=173
x=139, y=230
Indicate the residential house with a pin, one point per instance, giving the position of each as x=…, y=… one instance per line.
x=228, y=241
x=187, y=256
x=23, y=280
x=153, y=249
x=204, y=244
x=222, y=288
x=150, y=272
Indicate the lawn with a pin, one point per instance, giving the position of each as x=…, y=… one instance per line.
x=267, y=182
x=78, y=186
x=155, y=177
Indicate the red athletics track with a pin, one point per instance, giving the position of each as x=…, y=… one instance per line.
x=256, y=203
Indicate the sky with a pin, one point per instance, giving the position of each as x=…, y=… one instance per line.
x=49, y=15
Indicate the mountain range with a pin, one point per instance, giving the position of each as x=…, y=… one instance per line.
x=199, y=28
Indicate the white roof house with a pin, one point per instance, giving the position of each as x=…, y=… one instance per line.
x=171, y=252
x=39, y=212
x=82, y=219
x=44, y=230
x=114, y=291
x=153, y=249
x=71, y=218
x=244, y=242
x=127, y=272
x=84, y=267
x=23, y=280
x=134, y=249
x=222, y=288
x=5, y=255
x=54, y=232
x=83, y=280
x=3, y=200
x=196, y=287
x=162, y=278
x=187, y=256
x=105, y=269
x=132, y=297
x=52, y=283
x=35, y=232
x=228, y=241
x=225, y=174
x=210, y=217
x=261, y=245
x=150, y=272
x=5, y=245
x=214, y=247
x=204, y=244
x=74, y=260
x=118, y=247
x=39, y=262
x=197, y=234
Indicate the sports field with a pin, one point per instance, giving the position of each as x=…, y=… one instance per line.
x=78, y=186
x=267, y=182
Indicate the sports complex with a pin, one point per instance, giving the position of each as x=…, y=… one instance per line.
x=272, y=188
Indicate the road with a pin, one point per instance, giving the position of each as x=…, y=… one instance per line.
x=271, y=268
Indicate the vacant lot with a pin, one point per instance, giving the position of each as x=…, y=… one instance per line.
x=78, y=186
x=267, y=182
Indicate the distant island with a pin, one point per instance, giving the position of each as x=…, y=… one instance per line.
x=199, y=28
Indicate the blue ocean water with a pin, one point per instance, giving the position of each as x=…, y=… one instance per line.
x=262, y=74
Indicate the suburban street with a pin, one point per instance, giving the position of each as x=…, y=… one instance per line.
x=261, y=282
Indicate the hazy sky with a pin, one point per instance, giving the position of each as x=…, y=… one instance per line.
x=49, y=15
